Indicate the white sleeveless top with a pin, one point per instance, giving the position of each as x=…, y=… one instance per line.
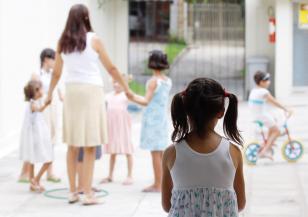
x=82, y=67
x=203, y=183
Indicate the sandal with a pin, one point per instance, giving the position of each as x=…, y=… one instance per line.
x=23, y=180
x=106, y=180
x=128, y=181
x=53, y=179
x=35, y=187
x=151, y=189
x=90, y=200
x=95, y=190
x=267, y=155
x=73, y=198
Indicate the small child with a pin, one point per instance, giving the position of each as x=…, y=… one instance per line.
x=35, y=141
x=119, y=132
x=47, y=60
x=154, y=129
x=203, y=171
x=259, y=98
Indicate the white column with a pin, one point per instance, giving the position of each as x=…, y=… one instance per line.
x=1, y=72
x=121, y=36
x=284, y=48
x=111, y=24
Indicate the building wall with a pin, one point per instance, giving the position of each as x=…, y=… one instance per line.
x=284, y=48
x=28, y=26
x=257, y=31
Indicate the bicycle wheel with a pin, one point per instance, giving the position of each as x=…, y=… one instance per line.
x=292, y=151
x=251, y=153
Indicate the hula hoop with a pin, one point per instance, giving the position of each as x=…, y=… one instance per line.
x=49, y=194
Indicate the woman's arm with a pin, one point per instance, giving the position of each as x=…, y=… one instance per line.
x=148, y=96
x=56, y=75
x=111, y=69
x=239, y=183
x=167, y=184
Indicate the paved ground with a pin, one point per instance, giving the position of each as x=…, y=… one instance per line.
x=275, y=189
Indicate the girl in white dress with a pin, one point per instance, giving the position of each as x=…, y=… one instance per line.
x=35, y=141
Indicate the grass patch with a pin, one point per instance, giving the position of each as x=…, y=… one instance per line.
x=137, y=88
x=173, y=49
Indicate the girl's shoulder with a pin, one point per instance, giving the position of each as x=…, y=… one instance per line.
x=235, y=153
x=152, y=82
x=169, y=156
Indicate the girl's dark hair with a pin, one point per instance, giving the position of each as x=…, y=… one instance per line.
x=194, y=108
x=74, y=36
x=260, y=76
x=158, y=60
x=31, y=88
x=47, y=53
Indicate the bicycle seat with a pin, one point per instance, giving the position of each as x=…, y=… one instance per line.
x=259, y=123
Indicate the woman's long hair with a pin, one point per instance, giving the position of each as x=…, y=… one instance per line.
x=74, y=36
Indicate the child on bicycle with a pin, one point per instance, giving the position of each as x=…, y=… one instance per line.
x=259, y=99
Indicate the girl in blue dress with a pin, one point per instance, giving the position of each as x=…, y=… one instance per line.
x=154, y=130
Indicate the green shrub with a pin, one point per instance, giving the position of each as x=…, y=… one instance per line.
x=137, y=87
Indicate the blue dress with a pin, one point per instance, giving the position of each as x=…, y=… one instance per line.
x=154, y=128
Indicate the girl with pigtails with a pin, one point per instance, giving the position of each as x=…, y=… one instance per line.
x=203, y=171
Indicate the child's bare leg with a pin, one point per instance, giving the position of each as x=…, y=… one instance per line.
x=43, y=169
x=33, y=184
x=273, y=134
x=31, y=171
x=129, y=179
x=51, y=176
x=24, y=175
x=111, y=169
x=157, y=168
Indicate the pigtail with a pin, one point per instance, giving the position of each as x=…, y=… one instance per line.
x=230, y=120
x=179, y=118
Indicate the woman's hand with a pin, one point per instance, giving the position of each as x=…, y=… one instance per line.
x=129, y=94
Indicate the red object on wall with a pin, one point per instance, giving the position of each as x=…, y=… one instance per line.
x=272, y=30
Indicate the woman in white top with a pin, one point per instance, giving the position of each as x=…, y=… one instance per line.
x=80, y=51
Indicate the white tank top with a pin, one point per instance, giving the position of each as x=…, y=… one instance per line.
x=196, y=170
x=82, y=67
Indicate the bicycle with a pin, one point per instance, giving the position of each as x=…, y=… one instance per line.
x=292, y=150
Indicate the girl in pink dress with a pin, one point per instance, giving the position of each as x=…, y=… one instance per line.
x=119, y=132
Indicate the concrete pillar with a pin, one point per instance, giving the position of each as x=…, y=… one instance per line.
x=284, y=48
x=110, y=22
x=257, y=31
x=1, y=72
x=174, y=17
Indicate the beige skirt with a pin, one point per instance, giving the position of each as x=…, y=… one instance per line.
x=84, y=116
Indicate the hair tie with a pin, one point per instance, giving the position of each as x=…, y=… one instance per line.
x=226, y=94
